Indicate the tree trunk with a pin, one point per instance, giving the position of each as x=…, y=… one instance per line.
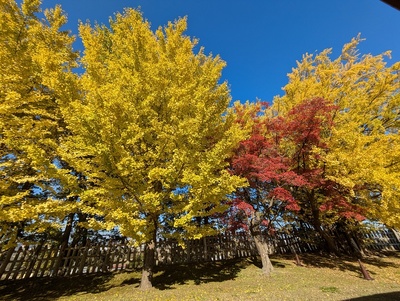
x=352, y=238
x=148, y=265
x=149, y=258
x=332, y=248
x=261, y=243
x=356, y=247
x=81, y=233
x=263, y=250
x=318, y=225
x=67, y=230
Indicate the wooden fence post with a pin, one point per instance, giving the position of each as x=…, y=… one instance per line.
x=17, y=264
x=33, y=260
x=60, y=257
x=205, y=257
x=84, y=256
x=6, y=260
x=397, y=236
x=45, y=262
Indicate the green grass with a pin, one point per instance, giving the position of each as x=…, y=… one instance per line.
x=321, y=278
x=329, y=289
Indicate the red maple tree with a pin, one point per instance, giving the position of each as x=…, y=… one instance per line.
x=285, y=173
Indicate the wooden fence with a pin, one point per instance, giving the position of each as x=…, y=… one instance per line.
x=51, y=261
x=382, y=239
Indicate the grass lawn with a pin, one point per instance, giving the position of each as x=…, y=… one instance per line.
x=321, y=278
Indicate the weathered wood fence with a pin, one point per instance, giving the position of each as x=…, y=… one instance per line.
x=382, y=239
x=51, y=261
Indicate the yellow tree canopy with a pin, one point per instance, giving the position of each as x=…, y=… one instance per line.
x=36, y=59
x=150, y=134
x=364, y=145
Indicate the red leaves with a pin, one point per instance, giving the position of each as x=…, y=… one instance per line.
x=285, y=196
x=308, y=121
x=283, y=156
x=343, y=208
x=259, y=159
x=237, y=216
x=279, y=158
x=240, y=205
x=279, y=148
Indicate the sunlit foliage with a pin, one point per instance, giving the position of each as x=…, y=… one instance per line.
x=150, y=134
x=36, y=58
x=364, y=145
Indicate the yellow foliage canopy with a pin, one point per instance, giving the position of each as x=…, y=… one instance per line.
x=364, y=145
x=149, y=133
x=36, y=59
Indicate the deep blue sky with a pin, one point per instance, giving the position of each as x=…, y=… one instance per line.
x=260, y=39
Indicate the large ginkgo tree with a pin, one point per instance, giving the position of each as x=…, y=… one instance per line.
x=150, y=133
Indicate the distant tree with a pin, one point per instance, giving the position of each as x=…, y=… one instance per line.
x=151, y=134
x=364, y=143
x=36, y=60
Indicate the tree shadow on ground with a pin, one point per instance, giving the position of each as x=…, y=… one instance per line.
x=44, y=289
x=169, y=276
x=346, y=263
x=394, y=296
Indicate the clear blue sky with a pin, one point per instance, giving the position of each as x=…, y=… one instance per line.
x=260, y=39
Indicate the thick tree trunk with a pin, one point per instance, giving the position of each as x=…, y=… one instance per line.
x=263, y=250
x=148, y=266
x=261, y=243
x=61, y=261
x=149, y=259
x=332, y=248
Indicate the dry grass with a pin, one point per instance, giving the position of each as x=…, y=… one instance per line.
x=321, y=278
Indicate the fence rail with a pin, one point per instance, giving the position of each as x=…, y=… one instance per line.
x=382, y=239
x=51, y=261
